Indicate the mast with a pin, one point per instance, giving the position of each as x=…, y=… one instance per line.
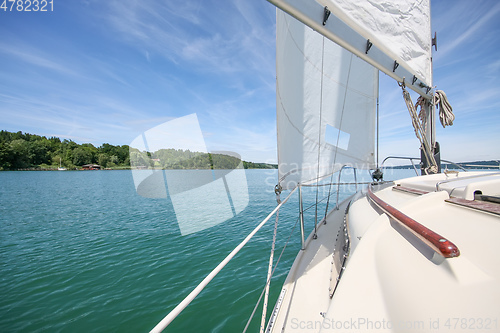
x=395, y=40
x=430, y=129
x=430, y=137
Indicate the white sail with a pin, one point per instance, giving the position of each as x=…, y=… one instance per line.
x=401, y=28
x=326, y=102
x=393, y=36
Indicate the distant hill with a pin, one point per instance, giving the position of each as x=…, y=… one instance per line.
x=24, y=151
x=186, y=159
x=480, y=164
x=252, y=165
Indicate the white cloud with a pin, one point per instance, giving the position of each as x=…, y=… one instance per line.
x=36, y=57
x=468, y=29
x=147, y=62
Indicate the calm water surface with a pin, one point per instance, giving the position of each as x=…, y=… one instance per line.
x=83, y=252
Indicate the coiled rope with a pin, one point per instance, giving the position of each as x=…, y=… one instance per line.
x=446, y=116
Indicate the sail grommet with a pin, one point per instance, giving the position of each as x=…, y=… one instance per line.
x=326, y=14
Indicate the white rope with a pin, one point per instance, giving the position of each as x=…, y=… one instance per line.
x=446, y=115
x=272, y=274
x=269, y=274
x=421, y=115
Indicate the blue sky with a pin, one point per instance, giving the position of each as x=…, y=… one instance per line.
x=106, y=71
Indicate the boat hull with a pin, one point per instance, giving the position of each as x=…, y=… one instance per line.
x=393, y=280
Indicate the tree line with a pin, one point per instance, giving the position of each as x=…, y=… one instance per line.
x=185, y=159
x=21, y=151
x=24, y=151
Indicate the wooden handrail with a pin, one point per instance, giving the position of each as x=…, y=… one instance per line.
x=435, y=241
x=409, y=190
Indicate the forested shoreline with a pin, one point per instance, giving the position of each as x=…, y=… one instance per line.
x=24, y=151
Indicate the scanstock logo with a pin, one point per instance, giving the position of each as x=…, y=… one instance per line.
x=171, y=161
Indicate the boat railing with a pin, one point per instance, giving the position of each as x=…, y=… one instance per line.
x=447, y=181
x=196, y=291
x=317, y=185
x=338, y=183
x=412, y=159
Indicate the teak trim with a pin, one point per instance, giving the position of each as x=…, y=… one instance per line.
x=432, y=239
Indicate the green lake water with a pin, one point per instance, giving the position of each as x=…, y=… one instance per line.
x=81, y=251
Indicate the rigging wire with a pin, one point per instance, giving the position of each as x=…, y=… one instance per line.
x=320, y=131
x=338, y=136
x=269, y=274
x=264, y=289
x=188, y=299
x=419, y=131
x=269, y=278
x=279, y=258
x=319, y=135
x=378, y=116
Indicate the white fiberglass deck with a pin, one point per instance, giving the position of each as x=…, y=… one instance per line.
x=393, y=282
